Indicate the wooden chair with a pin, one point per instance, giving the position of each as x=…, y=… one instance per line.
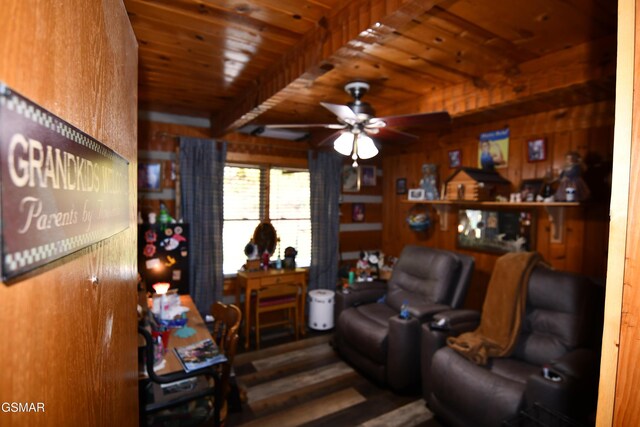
x=211, y=385
x=277, y=298
x=226, y=323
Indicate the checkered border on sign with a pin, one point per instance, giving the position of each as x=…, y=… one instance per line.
x=21, y=259
x=25, y=108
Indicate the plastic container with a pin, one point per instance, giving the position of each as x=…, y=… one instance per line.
x=321, y=302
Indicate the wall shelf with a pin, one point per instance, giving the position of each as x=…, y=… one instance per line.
x=555, y=210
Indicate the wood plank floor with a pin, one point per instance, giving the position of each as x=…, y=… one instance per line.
x=305, y=383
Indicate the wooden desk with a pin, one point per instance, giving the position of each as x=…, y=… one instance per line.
x=254, y=280
x=194, y=320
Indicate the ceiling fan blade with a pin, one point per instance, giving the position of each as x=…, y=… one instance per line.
x=342, y=111
x=391, y=135
x=319, y=140
x=417, y=120
x=304, y=126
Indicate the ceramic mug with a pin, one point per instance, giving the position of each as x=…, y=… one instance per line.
x=571, y=194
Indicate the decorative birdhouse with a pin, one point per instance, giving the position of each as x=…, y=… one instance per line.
x=471, y=184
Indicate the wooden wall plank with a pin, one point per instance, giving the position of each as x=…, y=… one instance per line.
x=302, y=60
x=72, y=344
x=534, y=79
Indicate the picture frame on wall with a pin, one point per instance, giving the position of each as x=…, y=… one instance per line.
x=401, y=186
x=357, y=212
x=536, y=150
x=367, y=175
x=149, y=176
x=455, y=159
x=350, y=179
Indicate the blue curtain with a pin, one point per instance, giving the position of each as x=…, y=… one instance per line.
x=202, y=176
x=325, y=169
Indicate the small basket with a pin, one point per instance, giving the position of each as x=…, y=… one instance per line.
x=418, y=219
x=385, y=274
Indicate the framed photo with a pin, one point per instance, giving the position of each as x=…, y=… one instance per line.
x=367, y=176
x=357, y=212
x=350, y=179
x=536, y=150
x=455, y=159
x=401, y=186
x=149, y=176
x=416, y=194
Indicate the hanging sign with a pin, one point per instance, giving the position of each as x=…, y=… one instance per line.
x=61, y=189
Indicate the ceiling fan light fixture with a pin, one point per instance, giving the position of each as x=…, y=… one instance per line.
x=344, y=143
x=366, y=147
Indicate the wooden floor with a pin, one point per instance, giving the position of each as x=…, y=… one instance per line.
x=305, y=383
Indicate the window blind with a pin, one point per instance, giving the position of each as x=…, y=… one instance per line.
x=243, y=209
x=246, y=195
x=290, y=212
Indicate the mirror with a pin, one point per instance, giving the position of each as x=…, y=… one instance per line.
x=265, y=237
x=495, y=231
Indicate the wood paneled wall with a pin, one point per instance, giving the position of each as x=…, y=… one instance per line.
x=160, y=140
x=587, y=129
x=356, y=236
x=66, y=342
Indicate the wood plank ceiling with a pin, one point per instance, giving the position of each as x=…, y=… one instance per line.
x=273, y=61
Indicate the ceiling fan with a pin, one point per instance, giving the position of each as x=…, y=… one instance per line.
x=357, y=125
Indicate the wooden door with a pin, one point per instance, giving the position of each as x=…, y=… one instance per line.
x=68, y=343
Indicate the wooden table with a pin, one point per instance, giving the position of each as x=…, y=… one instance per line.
x=173, y=365
x=194, y=320
x=254, y=280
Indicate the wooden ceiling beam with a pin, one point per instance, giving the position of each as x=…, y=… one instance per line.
x=580, y=66
x=303, y=62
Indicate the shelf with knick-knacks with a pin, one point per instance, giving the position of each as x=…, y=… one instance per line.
x=555, y=210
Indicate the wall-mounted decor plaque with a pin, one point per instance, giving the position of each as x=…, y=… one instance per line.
x=61, y=189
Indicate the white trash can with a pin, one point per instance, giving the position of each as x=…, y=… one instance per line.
x=321, y=309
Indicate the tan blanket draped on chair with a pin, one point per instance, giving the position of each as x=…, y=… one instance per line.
x=502, y=310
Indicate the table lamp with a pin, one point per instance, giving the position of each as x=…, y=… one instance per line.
x=161, y=289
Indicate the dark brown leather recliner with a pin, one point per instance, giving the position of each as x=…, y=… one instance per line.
x=370, y=334
x=560, y=330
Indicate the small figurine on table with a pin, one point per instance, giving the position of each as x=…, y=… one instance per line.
x=363, y=269
x=572, y=187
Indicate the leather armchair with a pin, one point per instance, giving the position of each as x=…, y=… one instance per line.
x=563, y=316
x=372, y=336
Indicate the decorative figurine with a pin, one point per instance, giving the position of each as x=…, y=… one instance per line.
x=363, y=270
x=164, y=217
x=429, y=181
x=265, y=260
x=290, y=257
x=572, y=187
x=251, y=250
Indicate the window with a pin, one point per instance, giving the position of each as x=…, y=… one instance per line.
x=251, y=192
